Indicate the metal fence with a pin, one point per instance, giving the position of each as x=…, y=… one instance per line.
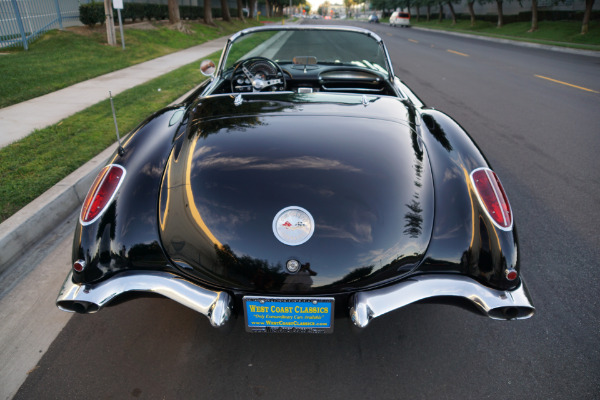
x=21, y=21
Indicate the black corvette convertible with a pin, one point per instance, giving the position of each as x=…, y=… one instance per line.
x=302, y=183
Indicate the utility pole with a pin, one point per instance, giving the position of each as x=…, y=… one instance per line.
x=110, y=23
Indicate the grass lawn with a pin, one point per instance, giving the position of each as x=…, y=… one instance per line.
x=557, y=33
x=32, y=165
x=62, y=58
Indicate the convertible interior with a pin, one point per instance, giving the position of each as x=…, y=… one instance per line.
x=303, y=75
x=305, y=61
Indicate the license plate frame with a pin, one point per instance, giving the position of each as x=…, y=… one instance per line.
x=266, y=314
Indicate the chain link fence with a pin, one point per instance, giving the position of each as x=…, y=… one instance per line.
x=21, y=21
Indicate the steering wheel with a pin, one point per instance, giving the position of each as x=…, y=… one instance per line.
x=257, y=74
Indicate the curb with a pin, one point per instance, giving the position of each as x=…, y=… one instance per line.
x=591, y=53
x=38, y=218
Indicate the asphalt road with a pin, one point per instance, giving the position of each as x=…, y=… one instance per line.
x=543, y=139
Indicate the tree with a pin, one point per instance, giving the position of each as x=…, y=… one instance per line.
x=402, y=4
x=348, y=4
x=423, y=3
x=500, y=16
x=428, y=11
x=240, y=10
x=174, y=17
x=586, y=16
x=417, y=6
x=471, y=11
x=279, y=5
x=110, y=23
x=534, y=16
x=451, y=7
x=324, y=8
x=208, y=19
x=225, y=11
x=387, y=6
x=499, y=8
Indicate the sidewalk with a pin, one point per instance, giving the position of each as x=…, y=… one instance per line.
x=19, y=120
x=37, y=219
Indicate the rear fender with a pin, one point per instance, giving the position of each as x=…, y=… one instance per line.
x=125, y=236
x=464, y=239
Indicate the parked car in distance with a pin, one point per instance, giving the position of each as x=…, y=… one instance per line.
x=400, y=18
x=373, y=18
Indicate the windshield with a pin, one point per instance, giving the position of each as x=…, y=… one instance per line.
x=325, y=47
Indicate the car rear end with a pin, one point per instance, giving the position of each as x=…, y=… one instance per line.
x=400, y=18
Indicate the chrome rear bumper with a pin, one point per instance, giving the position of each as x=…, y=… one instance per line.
x=496, y=304
x=364, y=306
x=91, y=298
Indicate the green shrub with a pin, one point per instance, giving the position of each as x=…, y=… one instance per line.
x=156, y=11
x=92, y=13
x=133, y=11
x=191, y=12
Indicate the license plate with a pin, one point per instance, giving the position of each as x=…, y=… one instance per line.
x=289, y=314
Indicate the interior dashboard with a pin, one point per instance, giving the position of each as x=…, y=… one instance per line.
x=263, y=75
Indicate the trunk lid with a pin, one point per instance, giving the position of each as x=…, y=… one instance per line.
x=362, y=175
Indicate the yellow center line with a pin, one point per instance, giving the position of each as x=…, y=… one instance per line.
x=412, y=40
x=565, y=83
x=389, y=34
x=456, y=52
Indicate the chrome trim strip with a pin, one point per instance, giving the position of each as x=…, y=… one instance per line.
x=346, y=90
x=350, y=75
x=275, y=27
x=496, y=304
x=91, y=298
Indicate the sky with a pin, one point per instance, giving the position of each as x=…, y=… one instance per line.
x=314, y=4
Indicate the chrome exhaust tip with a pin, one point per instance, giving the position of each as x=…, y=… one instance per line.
x=511, y=313
x=79, y=307
x=496, y=304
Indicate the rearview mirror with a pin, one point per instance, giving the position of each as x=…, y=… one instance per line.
x=207, y=67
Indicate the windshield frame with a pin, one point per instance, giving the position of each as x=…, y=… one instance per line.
x=282, y=28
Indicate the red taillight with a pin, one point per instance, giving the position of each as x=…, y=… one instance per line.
x=79, y=265
x=492, y=195
x=101, y=193
x=511, y=274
